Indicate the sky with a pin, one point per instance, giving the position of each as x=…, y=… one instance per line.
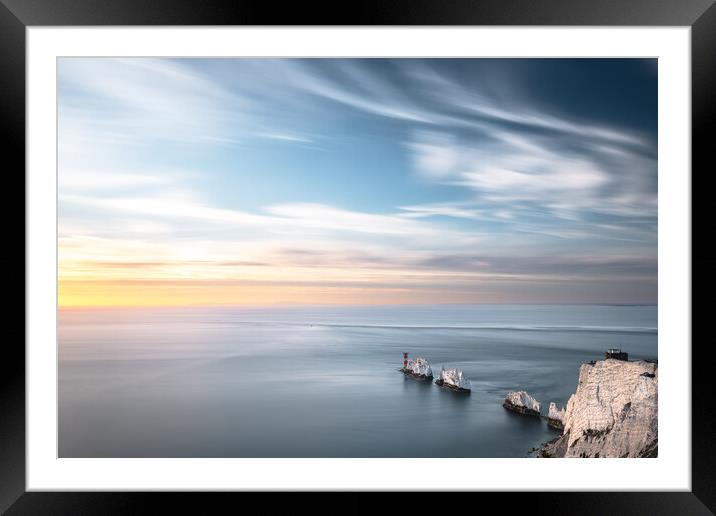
x=356, y=181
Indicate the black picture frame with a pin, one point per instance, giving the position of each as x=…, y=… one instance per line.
x=700, y=15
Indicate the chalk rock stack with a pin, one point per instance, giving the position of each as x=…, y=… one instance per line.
x=454, y=379
x=419, y=367
x=522, y=403
x=555, y=418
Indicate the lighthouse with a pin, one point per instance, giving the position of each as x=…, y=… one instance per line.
x=405, y=360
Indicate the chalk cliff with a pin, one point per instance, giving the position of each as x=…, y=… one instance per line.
x=613, y=413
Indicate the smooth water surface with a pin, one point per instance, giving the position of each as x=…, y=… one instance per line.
x=323, y=381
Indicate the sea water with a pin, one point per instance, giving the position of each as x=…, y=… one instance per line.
x=323, y=381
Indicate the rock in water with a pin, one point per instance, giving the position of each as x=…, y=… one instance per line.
x=555, y=419
x=419, y=368
x=454, y=379
x=612, y=414
x=522, y=403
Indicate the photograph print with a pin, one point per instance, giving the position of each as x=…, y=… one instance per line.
x=357, y=258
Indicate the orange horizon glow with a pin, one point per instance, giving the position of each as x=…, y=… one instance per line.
x=101, y=273
x=93, y=276
x=86, y=294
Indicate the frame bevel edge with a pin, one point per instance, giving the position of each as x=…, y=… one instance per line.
x=703, y=112
x=12, y=375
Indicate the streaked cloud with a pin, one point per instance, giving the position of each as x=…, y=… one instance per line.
x=286, y=137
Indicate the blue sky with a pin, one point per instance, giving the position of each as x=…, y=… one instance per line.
x=359, y=180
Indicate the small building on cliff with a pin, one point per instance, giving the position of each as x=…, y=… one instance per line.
x=616, y=354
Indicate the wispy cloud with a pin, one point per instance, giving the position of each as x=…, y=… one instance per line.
x=144, y=100
x=277, y=219
x=502, y=153
x=286, y=137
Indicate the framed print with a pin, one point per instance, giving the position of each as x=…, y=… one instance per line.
x=370, y=254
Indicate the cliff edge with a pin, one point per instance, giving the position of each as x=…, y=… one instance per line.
x=613, y=413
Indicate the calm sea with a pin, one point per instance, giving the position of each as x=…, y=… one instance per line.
x=323, y=381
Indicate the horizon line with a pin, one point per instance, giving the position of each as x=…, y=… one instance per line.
x=297, y=305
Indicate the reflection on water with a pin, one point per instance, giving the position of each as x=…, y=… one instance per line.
x=323, y=382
